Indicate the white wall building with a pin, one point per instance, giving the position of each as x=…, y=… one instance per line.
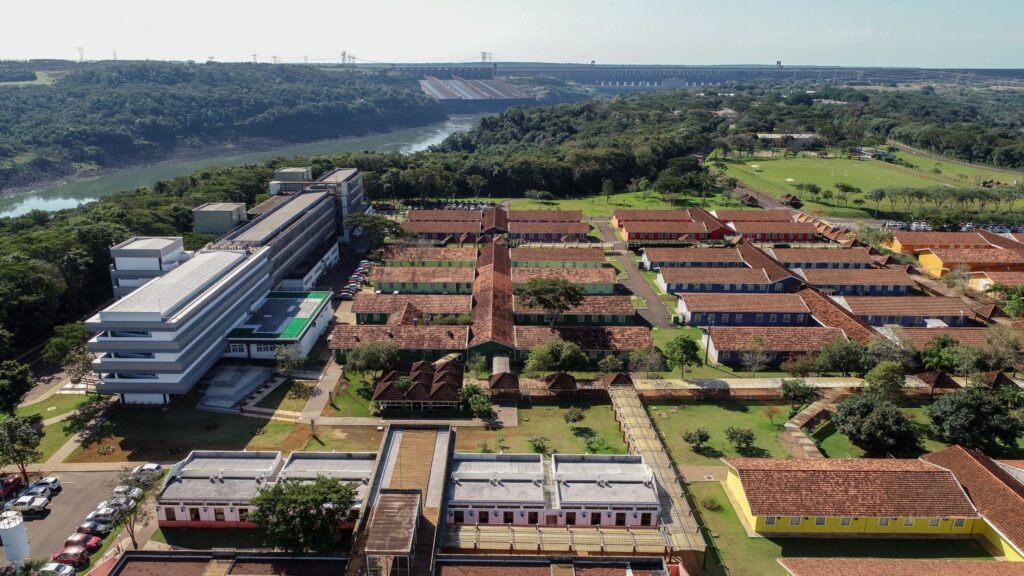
x=142, y=258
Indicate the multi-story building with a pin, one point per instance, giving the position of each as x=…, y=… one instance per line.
x=159, y=340
x=138, y=260
x=217, y=217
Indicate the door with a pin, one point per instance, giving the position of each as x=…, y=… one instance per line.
x=169, y=514
x=508, y=518
x=620, y=518
x=193, y=514
x=531, y=518
x=551, y=520
x=570, y=518
x=595, y=518
x=645, y=519
x=459, y=517
x=483, y=517
x=218, y=514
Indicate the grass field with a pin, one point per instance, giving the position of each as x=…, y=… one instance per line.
x=42, y=78
x=346, y=401
x=596, y=433
x=283, y=398
x=968, y=175
x=745, y=556
x=598, y=206
x=345, y=439
x=674, y=418
x=54, y=437
x=55, y=405
x=662, y=336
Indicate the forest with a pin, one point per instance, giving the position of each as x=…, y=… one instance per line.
x=54, y=266
x=124, y=113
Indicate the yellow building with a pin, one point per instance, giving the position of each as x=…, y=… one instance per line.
x=938, y=262
x=910, y=242
x=827, y=497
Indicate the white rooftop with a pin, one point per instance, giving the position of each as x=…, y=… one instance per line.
x=219, y=207
x=263, y=228
x=603, y=479
x=508, y=478
x=171, y=292
x=148, y=243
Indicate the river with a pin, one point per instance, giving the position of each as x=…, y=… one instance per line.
x=82, y=190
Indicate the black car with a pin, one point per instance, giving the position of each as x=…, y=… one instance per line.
x=94, y=529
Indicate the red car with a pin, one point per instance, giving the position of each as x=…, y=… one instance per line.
x=76, y=556
x=10, y=485
x=90, y=543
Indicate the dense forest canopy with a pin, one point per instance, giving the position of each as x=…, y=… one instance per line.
x=133, y=112
x=54, y=267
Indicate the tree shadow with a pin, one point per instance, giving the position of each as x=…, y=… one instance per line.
x=709, y=452
x=584, y=432
x=752, y=452
x=734, y=407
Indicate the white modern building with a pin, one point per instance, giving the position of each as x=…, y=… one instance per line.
x=159, y=340
x=571, y=490
x=217, y=217
x=142, y=258
x=346, y=185
x=293, y=319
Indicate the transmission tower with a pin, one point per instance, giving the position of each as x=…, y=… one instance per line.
x=81, y=54
x=275, y=59
x=254, y=58
x=305, y=59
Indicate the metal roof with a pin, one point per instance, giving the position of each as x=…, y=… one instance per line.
x=148, y=243
x=172, y=291
x=263, y=228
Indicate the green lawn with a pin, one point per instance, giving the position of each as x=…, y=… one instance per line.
x=769, y=175
x=621, y=273
x=546, y=419
x=745, y=556
x=346, y=401
x=599, y=206
x=672, y=418
x=53, y=406
x=651, y=277
x=662, y=336
x=966, y=174
x=54, y=437
x=286, y=396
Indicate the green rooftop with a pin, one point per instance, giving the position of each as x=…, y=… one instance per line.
x=282, y=316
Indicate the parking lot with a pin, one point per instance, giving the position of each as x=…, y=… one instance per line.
x=82, y=492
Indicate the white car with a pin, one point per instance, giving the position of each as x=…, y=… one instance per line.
x=147, y=471
x=56, y=569
x=132, y=492
x=29, y=504
x=120, y=504
x=103, y=515
x=51, y=482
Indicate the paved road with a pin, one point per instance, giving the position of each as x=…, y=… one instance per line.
x=82, y=492
x=656, y=314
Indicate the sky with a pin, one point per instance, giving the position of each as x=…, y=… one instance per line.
x=925, y=33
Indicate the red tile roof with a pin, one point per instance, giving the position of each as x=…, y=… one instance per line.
x=437, y=381
x=443, y=215
x=616, y=379
x=774, y=228
x=346, y=337
x=995, y=493
x=920, y=337
x=548, y=228
x=618, y=338
x=457, y=227
x=715, y=276
x=545, y=216
x=908, y=306
x=495, y=219
x=430, y=254
x=625, y=215
x=857, y=277
x=424, y=274
x=557, y=255
x=754, y=215
x=492, y=292
x=504, y=568
x=693, y=254
x=1005, y=278
x=769, y=303
x=560, y=382
x=832, y=315
x=604, y=275
x=975, y=256
x=371, y=303
x=872, y=487
x=898, y=567
x=830, y=255
x=613, y=305
x=773, y=339
x=926, y=239
x=681, y=227
x=757, y=258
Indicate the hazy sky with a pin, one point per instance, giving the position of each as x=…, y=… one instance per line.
x=931, y=33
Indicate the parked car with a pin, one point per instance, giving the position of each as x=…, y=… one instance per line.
x=133, y=492
x=345, y=296
x=9, y=485
x=76, y=556
x=37, y=490
x=51, y=482
x=105, y=515
x=29, y=504
x=120, y=504
x=87, y=541
x=147, y=471
x=94, y=528
x=56, y=569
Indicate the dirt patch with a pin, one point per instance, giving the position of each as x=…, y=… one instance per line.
x=292, y=567
x=143, y=567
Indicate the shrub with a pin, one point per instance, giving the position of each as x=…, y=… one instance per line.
x=697, y=439
x=573, y=414
x=711, y=503
x=540, y=444
x=741, y=438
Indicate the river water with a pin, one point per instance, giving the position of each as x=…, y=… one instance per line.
x=80, y=191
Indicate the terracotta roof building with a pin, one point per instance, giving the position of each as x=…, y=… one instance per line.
x=776, y=231
x=705, y=309
x=430, y=256
x=753, y=215
x=421, y=386
x=909, y=311
x=982, y=281
x=868, y=282
x=595, y=310
x=444, y=215
x=919, y=338
x=831, y=315
x=898, y=567
x=441, y=230
x=545, y=216
x=995, y=492
x=416, y=342
x=621, y=216
x=732, y=344
x=592, y=280
x=492, y=293
x=668, y=230
x=549, y=231
x=824, y=257
x=654, y=258
x=371, y=308
x=940, y=261
x=821, y=497
x=909, y=242
x=423, y=279
x=673, y=280
x=557, y=257
x=596, y=341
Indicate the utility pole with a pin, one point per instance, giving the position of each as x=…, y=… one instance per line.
x=344, y=58
x=254, y=58
x=81, y=54
x=115, y=55
x=305, y=59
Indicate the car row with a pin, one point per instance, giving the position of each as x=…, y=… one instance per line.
x=34, y=499
x=356, y=280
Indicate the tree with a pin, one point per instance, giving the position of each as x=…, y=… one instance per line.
x=573, y=414
x=480, y=406
x=957, y=278
x=478, y=364
x=798, y=392
x=372, y=357
x=646, y=360
x=553, y=295
x=800, y=365
x=681, y=352
x=742, y=439
x=886, y=379
x=895, y=350
x=937, y=353
x=540, y=444
x=299, y=517
x=876, y=425
x=607, y=189
x=610, y=363
x=876, y=196
x=15, y=381
x=843, y=356
x=556, y=355
x=470, y=391
x=19, y=442
x=756, y=356
x=1004, y=344
x=139, y=516
x=770, y=412
x=286, y=359
x=476, y=183
x=966, y=359
x=974, y=417
x=374, y=227
x=697, y=439
x=66, y=338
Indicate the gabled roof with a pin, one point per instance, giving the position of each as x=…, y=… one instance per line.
x=615, y=379
x=997, y=495
x=829, y=314
x=372, y=303
x=773, y=227
x=655, y=254
x=857, y=277
x=433, y=382
x=780, y=215
x=1005, y=278
x=605, y=305
x=976, y=256
x=773, y=339
x=920, y=337
x=871, y=487
x=430, y=254
x=545, y=216
x=603, y=275
x=548, y=228
x=346, y=336
x=830, y=255
x=454, y=227
x=679, y=227
x=560, y=382
x=495, y=220
x=492, y=292
x=443, y=215
x=757, y=258
x=898, y=567
x=422, y=274
x=601, y=338
x=627, y=215
x=937, y=380
x=407, y=315
x=908, y=306
x=925, y=239
x=758, y=303
x=557, y=255
x=503, y=381
x=715, y=276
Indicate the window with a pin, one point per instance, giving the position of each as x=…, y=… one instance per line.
x=908, y=522
x=483, y=517
x=785, y=318
x=883, y=522
x=243, y=514
x=770, y=520
x=760, y=318
x=772, y=318
x=819, y=521
x=236, y=348
x=570, y=518
x=193, y=514
x=933, y=522
x=169, y=514
x=794, y=520
x=845, y=521
x=531, y=518
x=595, y=518
x=725, y=318
x=507, y=518
x=800, y=318
x=218, y=514
x=738, y=318
x=267, y=347
x=958, y=523
x=646, y=519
